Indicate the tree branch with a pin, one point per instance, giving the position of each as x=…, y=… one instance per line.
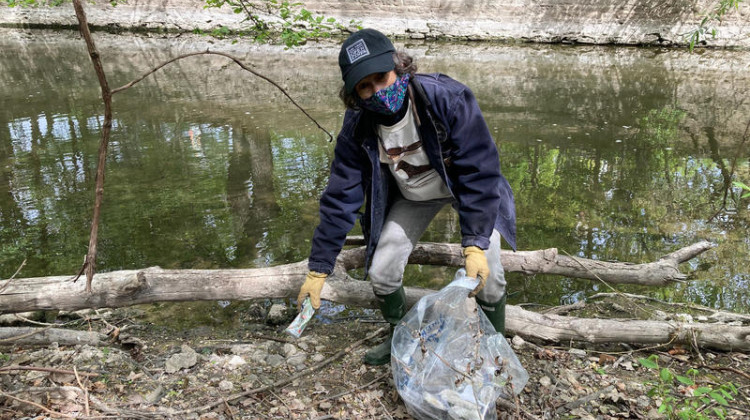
x=239, y=63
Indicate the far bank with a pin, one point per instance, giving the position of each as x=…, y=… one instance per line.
x=631, y=22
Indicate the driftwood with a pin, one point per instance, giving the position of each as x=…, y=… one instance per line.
x=125, y=288
x=130, y=287
x=45, y=336
x=562, y=329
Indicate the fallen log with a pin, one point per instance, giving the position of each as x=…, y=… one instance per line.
x=130, y=287
x=661, y=272
x=563, y=329
x=45, y=336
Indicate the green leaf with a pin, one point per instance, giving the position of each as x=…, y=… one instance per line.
x=718, y=398
x=665, y=375
x=685, y=380
x=701, y=390
x=648, y=363
x=719, y=413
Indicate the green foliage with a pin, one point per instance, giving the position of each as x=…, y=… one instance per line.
x=683, y=398
x=282, y=21
x=713, y=17
x=744, y=187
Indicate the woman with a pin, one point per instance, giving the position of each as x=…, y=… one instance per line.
x=410, y=144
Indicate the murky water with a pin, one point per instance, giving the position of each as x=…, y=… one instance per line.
x=613, y=153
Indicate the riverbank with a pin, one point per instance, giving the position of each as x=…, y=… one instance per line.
x=632, y=22
x=238, y=364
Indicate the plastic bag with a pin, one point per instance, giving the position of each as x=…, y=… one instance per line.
x=448, y=362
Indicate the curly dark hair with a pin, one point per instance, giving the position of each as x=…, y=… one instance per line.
x=404, y=64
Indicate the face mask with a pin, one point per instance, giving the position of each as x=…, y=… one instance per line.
x=388, y=100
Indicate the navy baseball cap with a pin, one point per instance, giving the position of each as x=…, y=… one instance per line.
x=365, y=52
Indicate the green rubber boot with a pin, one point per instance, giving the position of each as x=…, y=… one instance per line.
x=495, y=313
x=393, y=307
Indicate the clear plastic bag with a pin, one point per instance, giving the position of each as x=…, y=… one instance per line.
x=448, y=361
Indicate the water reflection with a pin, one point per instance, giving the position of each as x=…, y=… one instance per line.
x=614, y=154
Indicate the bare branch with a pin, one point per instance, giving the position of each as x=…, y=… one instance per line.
x=90, y=262
x=239, y=63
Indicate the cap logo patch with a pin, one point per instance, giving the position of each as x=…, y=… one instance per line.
x=357, y=50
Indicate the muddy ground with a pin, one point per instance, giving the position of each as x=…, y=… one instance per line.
x=251, y=369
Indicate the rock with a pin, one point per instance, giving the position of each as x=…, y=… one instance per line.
x=643, y=401
x=317, y=357
x=187, y=358
x=242, y=348
x=226, y=386
x=517, y=342
x=658, y=315
x=577, y=352
x=86, y=354
x=229, y=362
x=545, y=381
x=290, y=350
x=274, y=360
x=257, y=310
x=297, y=359
x=234, y=362
x=258, y=357
x=278, y=314
x=684, y=318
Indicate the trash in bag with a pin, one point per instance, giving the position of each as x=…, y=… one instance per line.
x=447, y=360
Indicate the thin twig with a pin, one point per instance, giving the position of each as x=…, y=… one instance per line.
x=602, y=280
x=45, y=409
x=239, y=63
x=229, y=409
x=385, y=409
x=726, y=368
x=85, y=391
x=46, y=369
x=349, y=391
x=7, y=282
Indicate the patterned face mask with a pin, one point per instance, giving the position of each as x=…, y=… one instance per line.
x=388, y=100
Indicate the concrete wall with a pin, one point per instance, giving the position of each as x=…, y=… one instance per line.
x=629, y=22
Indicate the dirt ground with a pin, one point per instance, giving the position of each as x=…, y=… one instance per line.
x=253, y=370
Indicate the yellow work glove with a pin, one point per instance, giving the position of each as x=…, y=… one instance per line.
x=312, y=286
x=476, y=267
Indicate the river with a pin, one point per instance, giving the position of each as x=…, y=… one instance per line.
x=620, y=154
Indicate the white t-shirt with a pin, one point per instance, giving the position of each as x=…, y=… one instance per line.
x=402, y=150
